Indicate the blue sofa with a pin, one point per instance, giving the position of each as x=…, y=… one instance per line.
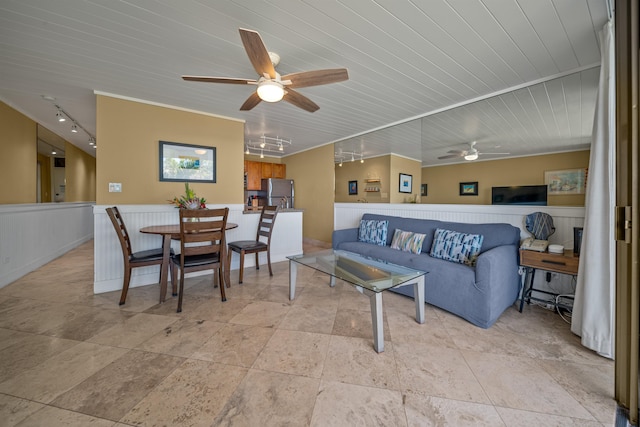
x=479, y=294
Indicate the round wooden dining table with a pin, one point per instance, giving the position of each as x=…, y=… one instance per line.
x=172, y=232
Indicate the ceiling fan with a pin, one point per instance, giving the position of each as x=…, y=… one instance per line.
x=471, y=154
x=271, y=86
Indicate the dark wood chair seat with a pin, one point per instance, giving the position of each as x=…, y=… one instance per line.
x=247, y=245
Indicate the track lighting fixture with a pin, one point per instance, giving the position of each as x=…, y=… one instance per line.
x=62, y=116
x=269, y=144
x=340, y=156
x=261, y=154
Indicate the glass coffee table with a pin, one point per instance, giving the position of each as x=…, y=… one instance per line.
x=368, y=275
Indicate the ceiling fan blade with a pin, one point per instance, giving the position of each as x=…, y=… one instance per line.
x=458, y=152
x=317, y=77
x=251, y=102
x=301, y=101
x=482, y=153
x=257, y=52
x=207, y=79
x=450, y=156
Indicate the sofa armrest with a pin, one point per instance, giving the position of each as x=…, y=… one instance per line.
x=345, y=235
x=498, y=267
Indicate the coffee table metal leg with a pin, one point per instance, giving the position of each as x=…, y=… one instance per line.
x=418, y=291
x=375, y=298
x=293, y=273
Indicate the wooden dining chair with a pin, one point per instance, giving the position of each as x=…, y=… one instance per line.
x=202, y=243
x=131, y=259
x=262, y=243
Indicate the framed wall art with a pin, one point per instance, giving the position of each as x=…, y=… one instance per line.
x=353, y=188
x=570, y=181
x=469, y=188
x=405, y=183
x=186, y=162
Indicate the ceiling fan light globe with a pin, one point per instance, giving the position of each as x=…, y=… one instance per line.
x=471, y=156
x=270, y=91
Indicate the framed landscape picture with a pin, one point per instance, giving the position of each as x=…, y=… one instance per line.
x=469, y=188
x=186, y=162
x=570, y=181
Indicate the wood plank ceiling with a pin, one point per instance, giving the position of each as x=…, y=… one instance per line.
x=530, y=65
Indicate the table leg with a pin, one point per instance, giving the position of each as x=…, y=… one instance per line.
x=164, y=268
x=418, y=292
x=227, y=267
x=529, y=275
x=376, y=319
x=293, y=273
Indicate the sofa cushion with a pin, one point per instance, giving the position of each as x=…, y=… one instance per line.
x=373, y=231
x=407, y=241
x=455, y=246
x=495, y=234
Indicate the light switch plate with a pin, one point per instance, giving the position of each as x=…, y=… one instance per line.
x=115, y=187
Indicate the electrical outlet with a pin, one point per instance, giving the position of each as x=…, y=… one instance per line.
x=115, y=187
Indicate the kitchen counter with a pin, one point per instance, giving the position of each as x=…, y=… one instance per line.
x=258, y=210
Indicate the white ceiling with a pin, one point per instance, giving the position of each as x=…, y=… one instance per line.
x=406, y=60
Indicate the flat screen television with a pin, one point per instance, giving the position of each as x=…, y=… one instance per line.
x=532, y=195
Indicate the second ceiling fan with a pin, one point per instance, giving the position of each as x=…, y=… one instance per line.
x=471, y=154
x=271, y=86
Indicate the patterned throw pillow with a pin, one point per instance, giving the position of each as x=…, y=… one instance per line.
x=373, y=231
x=407, y=241
x=457, y=247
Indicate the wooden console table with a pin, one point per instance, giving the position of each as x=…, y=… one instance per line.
x=566, y=263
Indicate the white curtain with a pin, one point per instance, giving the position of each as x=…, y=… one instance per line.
x=594, y=305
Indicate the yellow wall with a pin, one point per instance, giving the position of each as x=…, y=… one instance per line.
x=374, y=168
x=312, y=173
x=128, y=133
x=19, y=153
x=443, y=181
x=387, y=169
x=408, y=167
x=80, y=174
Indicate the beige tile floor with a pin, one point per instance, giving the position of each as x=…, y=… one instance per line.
x=68, y=357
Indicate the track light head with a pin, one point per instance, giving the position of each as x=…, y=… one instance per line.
x=60, y=116
x=74, y=129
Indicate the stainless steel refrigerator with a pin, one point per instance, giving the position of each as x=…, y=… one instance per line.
x=277, y=192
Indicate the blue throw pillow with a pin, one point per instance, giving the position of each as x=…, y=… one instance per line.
x=457, y=247
x=373, y=231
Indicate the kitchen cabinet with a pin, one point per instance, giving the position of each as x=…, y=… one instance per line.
x=267, y=170
x=255, y=171
x=279, y=171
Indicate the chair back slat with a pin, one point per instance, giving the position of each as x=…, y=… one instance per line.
x=121, y=230
x=266, y=222
x=202, y=231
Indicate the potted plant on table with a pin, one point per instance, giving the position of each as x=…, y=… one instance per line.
x=189, y=200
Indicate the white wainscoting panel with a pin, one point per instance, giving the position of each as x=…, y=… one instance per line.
x=108, y=265
x=32, y=235
x=348, y=215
